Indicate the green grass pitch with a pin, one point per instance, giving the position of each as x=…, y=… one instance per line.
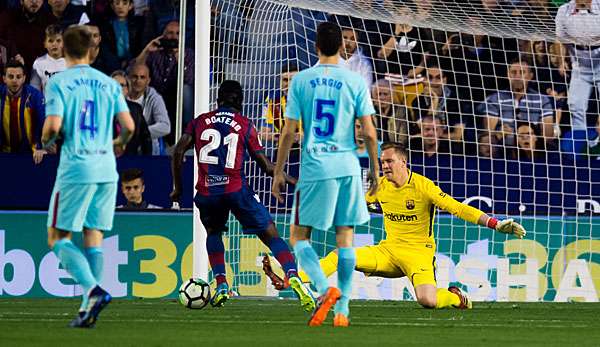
x=272, y=322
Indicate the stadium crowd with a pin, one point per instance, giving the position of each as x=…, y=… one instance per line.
x=436, y=91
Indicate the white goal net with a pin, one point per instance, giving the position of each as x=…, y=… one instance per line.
x=495, y=100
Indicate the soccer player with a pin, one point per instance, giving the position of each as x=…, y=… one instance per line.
x=327, y=99
x=408, y=202
x=81, y=104
x=222, y=138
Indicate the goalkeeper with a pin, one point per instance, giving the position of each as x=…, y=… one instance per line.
x=408, y=202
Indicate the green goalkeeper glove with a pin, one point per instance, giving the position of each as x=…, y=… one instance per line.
x=509, y=226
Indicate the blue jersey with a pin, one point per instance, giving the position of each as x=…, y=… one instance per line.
x=87, y=100
x=327, y=99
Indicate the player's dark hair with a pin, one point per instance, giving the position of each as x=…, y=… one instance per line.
x=132, y=174
x=396, y=146
x=77, y=41
x=329, y=38
x=53, y=30
x=12, y=64
x=230, y=95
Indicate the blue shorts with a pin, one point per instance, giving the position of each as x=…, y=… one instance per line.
x=76, y=206
x=244, y=205
x=328, y=203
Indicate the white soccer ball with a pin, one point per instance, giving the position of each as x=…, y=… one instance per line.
x=194, y=293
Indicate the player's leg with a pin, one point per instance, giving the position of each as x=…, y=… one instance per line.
x=351, y=210
x=214, y=212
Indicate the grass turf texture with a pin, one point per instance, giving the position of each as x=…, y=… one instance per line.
x=246, y=322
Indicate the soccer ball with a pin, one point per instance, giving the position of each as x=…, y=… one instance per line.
x=194, y=293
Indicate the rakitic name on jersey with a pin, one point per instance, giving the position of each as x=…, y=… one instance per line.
x=223, y=117
x=93, y=83
x=327, y=82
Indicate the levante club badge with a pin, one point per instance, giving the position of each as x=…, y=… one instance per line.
x=410, y=204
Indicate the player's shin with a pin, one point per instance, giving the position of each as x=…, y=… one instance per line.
x=308, y=259
x=216, y=256
x=75, y=263
x=345, y=267
x=446, y=299
x=283, y=255
x=95, y=257
x=328, y=264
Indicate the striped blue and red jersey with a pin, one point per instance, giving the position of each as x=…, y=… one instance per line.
x=223, y=141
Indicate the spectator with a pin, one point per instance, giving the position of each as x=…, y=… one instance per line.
x=25, y=29
x=432, y=140
x=527, y=144
x=105, y=61
x=123, y=32
x=23, y=113
x=361, y=146
x=520, y=103
x=391, y=120
x=578, y=26
x=7, y=51
x=141, y=141
x=152, y=104
x=354, y=58
x=487, y=146
x=67, y=14
x=439, y=100
x=52, y=62
x=133, y=187
x=274, y=110
x=161, y=55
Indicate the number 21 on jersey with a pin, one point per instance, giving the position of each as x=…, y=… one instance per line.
x=214, y=138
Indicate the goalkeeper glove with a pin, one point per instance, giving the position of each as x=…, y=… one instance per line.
x=507, y=226
x=404, y=45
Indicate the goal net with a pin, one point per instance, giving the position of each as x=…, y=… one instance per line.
x=479, y=93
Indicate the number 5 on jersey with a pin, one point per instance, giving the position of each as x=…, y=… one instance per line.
x=214, y=138
x=324, y=121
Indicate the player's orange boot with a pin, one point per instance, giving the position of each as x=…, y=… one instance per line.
x=324, y=304
x=340, y=320
x=465, y=303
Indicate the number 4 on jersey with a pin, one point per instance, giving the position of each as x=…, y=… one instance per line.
x=87, y=118
x=214, y=138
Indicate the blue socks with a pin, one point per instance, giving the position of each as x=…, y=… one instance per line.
x=308, y=259
x=95, y=258
x=346, y=264
x=75, y=263
x=282, y=253
x=216, y=256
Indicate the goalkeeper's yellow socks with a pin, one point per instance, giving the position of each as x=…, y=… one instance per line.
x=446, y=299
x=308, y=259
x=328, y=264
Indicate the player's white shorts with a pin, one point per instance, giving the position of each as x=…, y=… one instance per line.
x=332, y=202
x=75, y=206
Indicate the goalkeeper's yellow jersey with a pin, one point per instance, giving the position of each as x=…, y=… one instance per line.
x=409, y=211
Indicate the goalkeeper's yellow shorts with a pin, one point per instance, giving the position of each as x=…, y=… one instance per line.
x=393, y=261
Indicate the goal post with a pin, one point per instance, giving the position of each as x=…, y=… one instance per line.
x=478, y=91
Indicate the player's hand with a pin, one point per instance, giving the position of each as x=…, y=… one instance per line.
x=119, y=147
x=278, y=186
x=509, y=226
x=291, y=180
x=373, y=182
x=38, y=155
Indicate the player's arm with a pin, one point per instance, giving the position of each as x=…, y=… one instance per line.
x=286, y=140
x=370, y=138
x=470, y=213
x=51, y=130
x=184, y=144
x=127, y=128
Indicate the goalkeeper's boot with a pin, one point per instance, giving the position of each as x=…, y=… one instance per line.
x=324, y=303
x=465, y=303
x=221, y=295
x=340, y=320
x=277, y=282
x=97, y=301
x=306, y=299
